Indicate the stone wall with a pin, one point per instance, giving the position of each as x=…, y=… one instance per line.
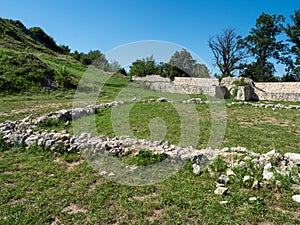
x=273, y=91
x=171, y=87
x=196, y=81
x=277, y=91
x=182, y=85
x=279, y=87
x=151, y=78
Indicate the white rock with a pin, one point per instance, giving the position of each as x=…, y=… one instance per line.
x=196, y=169
x=255, y=184
x=247, y=178
x=296, y=198
x=242, y=163
x=226, y=149
x=253, y=199
x=294, y=157
x=247, y=158
x=229, y=172
x=102, y=173
x=268, y=166
x=223, y=178
x=268, y=175
x=272, y=152
x=220, y=191
x=219, y=185
x=223, y=202
x=296, y=187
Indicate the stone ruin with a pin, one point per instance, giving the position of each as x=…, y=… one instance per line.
x=230, y=87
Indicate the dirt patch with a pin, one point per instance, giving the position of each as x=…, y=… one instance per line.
x=8, y=172
x=73, y=209
x=57, y=160
x=157, y=215
x=35, y=108
x=265, y=223
x=294, y=214
x=93, y=186
x=71, y=166
x=14, y=202
x=143, y=197
x=56, y=222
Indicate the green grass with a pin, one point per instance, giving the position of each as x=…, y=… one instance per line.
x=261, y=129
x=257, y=129
x=19, y=106
x=39, y=187
x=143, y=158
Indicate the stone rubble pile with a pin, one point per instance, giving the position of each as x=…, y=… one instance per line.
x=23, y=133
x=69, y=114
x=257, y=105
x=265, y=105
x=193, y=101
x=271, y=164
x=161, y=99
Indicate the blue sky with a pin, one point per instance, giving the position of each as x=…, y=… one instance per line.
x=103, y=25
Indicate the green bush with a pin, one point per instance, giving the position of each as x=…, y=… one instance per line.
x=51, y=124
x=218, y=165
x=64, y=78
x=238, y=83
x=3, y=145
x=145, y=158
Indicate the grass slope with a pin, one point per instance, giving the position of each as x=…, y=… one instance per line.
x=27, y=64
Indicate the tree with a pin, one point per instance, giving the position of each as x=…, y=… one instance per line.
x=65, y=49
x=293, y=33
x=98, y=60
x=227, y=50
x=184, y=61
x=262, y=44
x=167, y=70
x=143, y=67
x=45, y=39
x=114, y=66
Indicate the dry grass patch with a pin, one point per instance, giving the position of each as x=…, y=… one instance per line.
x=73, y=209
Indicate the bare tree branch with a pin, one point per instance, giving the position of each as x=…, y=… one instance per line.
x=227, y=51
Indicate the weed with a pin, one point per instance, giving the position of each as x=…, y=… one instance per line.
x=145, y=158
x=218, y=165
x=3, y=144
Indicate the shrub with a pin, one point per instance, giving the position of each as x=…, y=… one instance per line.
x=3, y=145
x=145, y=158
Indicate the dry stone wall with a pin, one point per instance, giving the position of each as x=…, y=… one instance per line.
x=273, y=91
x=182, y=85
x=183, y=89
x=192, y=81
x=151, y=78
x=279, y=87
x=277, y=91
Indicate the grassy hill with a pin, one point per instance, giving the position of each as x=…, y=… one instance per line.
x=31, y=61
